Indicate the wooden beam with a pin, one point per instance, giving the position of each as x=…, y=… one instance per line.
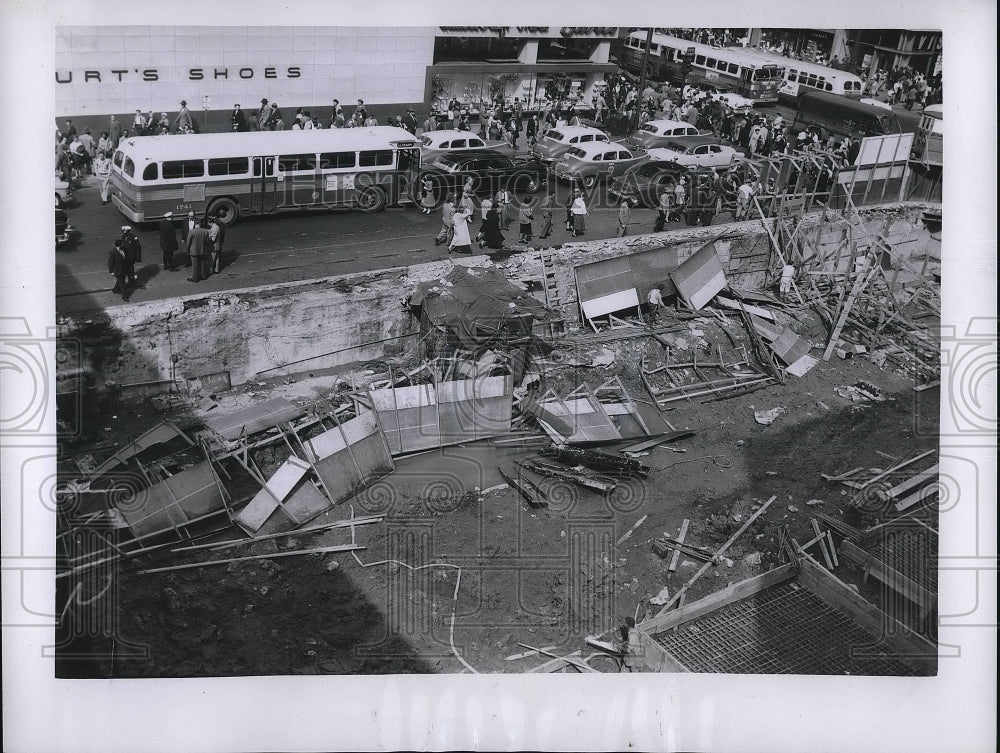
x=718, y=553
x=719, y=599
x=919, y=496
x=677, y=552
x=896, y=467
x=914, y=481
x=888, y=575
x=209, y=563
x=655, y=657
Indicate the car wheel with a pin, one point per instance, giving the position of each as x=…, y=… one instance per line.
x=225, y=210
x=371, y=199
x=589, y=181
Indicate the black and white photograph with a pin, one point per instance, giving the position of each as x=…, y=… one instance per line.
x=369, y=346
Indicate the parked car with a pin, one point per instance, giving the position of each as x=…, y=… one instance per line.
x=719, y=93
x=594, y=161
x=489, y=170
x=654, y=133
x=640, y=184
x=705, y=151
x=435, y=143
x=554, y=143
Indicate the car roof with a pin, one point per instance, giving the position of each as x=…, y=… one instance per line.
x=453, y=134
x=593, y=147
x=571, y=131
x=668, y=123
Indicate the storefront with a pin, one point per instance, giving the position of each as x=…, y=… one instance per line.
x=482, y=66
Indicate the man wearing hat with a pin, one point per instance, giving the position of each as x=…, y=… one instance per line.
x=189, y=225
x=410, y=121
x=197, y=249
x=168, y=241
x=132, y=248
x=183, y=119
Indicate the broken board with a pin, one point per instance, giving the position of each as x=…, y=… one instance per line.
x=176, y=500
x=254, y=419
x=699, y=278
x=350, y=456
x=279, y=486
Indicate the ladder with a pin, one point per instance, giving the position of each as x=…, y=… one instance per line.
x=550, y=288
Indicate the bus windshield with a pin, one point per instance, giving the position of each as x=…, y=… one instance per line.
x=768, y=73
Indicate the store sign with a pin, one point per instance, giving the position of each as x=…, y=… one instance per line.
x=535, y=32
x=223, y=73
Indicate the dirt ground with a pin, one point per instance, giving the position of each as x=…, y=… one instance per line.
x=540, y=577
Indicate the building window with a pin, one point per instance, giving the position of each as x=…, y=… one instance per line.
x=557, y=50
x=476, y=49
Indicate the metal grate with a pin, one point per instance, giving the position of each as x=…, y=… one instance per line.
x=911, y=552
x=782, y=630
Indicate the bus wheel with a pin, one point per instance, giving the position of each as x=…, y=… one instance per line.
x=372, y=200
x=226, y=210
x=590, y=181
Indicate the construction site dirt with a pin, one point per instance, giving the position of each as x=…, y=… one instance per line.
x=462, y=571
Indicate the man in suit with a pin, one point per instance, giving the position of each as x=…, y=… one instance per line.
x=410, y=121
x=168, y=241
x=118, y=266
x=238, y=120
x=197, y=249
x=189, y=225
x=114, y=132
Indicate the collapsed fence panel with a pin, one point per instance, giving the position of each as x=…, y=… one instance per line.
x=268, y=499
x=423, y=416
x=254, y=419
x=699, y=277
x=163, y=433
x=606, y=287
x=350, y=456
x=174, y=501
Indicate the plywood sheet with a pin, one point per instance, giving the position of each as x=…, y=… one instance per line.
x=700, y=277
x=254, y=418
x=162, y=433
x=789, y=347
x=180, y=498
x=280, y=485
x=608, y=304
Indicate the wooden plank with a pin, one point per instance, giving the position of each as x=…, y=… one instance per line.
x=821, y=538
x=209, y=563
x=700, y=277
x=789, y=347
x=267, y=500
x=882, y=572
x=729, y=303
x=862, y=282
x=927, y=492
x=896, y=467
x=677, y=552
x=625, y=536
x=718, y=553
x=719, y=599
x=914, y=481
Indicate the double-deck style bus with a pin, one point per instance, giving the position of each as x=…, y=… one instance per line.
x=233, y=175
x=802, y=76
x=747, y=74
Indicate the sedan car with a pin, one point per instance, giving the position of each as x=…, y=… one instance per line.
x=719, y=93
x=594, y=161
x=555, y=141
x=435, y=143
x=704, y=152
x=640, y=184
x=654, y=133
x=490, y=171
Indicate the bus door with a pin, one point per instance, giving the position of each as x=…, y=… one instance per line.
x=745, y=85
x=263, y=185
x=406, y=185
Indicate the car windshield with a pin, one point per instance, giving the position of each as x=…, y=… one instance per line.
x=554, y=135
x=575, y=151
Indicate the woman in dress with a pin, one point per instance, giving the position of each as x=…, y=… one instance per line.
x=490, y=235
x=426, y=196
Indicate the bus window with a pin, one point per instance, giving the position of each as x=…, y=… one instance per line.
x=375, y=158
x=710, y=62
x=194, y=168
x=229, y=166
x=699, y=59
x=118, y=159
x=828, y=86
x=129, y=167
x=288, y=163
x=733, y=68
x=654, y=49
x=151, y=172
x=337, y=159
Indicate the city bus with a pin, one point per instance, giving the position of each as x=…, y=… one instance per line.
x=747, y=74
x=834, y=115
x=928, y=146
x=233, y=175
x=802, y=76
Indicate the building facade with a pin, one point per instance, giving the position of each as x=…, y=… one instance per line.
x=102, y=71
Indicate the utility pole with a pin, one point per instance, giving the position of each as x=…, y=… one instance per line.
x=642, y=76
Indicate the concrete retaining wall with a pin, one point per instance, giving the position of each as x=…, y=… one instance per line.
x=324, y=323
